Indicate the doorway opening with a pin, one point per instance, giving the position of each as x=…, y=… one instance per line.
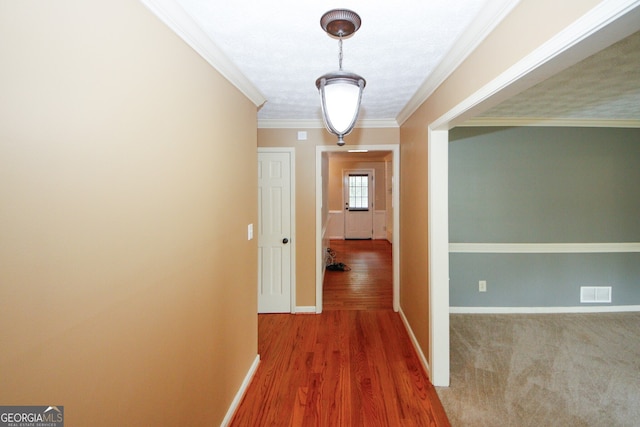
x=358, y=218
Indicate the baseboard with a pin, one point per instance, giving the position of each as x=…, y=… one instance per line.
x=534, y=310
x=240, y=394
x=301, y=309
x=414, y=341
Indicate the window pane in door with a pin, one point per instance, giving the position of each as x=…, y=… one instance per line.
x=358, y=192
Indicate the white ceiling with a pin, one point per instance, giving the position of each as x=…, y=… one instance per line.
x=281, y=48
x=403, y=50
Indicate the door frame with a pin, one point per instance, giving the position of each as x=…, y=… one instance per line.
x=292, y=240
x=395, y=201
x=371, y=173
x=594, y=30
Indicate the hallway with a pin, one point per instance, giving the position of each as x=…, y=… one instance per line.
x=352, y=365
x=369, y=283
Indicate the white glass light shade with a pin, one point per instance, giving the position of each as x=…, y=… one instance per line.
x=341, y=93
x=341, y=102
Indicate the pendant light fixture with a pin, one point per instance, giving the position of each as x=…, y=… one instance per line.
x=340, y=90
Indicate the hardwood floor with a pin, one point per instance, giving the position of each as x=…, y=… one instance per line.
x=352, y=365
x=369, y=284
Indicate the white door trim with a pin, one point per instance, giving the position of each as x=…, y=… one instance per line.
x=583, y=38
x=292, y=239
x=438, y=220
x=395, y=254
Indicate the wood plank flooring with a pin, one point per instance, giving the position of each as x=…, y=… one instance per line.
x=369, y=284
x=344, y=367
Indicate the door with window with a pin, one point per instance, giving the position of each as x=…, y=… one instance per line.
x=358, y=197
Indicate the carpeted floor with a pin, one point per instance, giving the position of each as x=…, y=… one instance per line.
x=544, y=370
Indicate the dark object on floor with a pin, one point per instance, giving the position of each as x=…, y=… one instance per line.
x=338, y=267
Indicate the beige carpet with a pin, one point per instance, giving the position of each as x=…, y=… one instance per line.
x=544, y=370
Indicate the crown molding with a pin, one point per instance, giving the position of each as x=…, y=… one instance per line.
x=177, y=19
x=548, y=122
x=488, y=19
x=319, y=124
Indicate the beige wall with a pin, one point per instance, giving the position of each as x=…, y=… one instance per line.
x=389, y=173
x=337, y=166
x=127, y=284
x=529, y=25
x=305, y=152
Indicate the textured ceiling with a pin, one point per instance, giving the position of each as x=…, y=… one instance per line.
x=604, y=86
x=276, y=50
x=281, y=48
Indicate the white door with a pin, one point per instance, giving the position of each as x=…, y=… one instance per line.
x=358, y=196
x=274, y=232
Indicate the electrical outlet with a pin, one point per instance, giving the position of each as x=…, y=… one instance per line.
x=482, y=286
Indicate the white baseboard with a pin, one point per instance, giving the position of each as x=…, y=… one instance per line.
x=534, y=310
x=305, y=309
x=416, y=346
x=243, y=389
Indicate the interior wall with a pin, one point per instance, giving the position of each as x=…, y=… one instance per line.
x=339, y=163
x=306, y=190
x=325, y=217
x=515, y=37
x=537, y=185
x=127, y=281
x=388, y=188
x=336, y=168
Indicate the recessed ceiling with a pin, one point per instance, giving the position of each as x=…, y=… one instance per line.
x=281, y=48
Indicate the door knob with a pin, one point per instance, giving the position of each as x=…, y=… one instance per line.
x=285, y=240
